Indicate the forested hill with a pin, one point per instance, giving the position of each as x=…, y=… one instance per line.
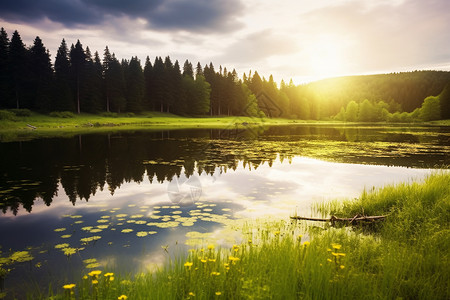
x=408, y=89
x=81, y=81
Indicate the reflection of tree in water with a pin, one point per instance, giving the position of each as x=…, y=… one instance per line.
x=85, y=164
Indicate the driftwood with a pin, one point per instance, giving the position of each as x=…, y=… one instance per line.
x=31, y=126
x=333, y=219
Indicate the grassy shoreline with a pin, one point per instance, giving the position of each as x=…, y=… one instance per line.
x=405, y=257
x=43, y=126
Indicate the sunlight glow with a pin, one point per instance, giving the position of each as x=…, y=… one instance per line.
x=326, y=57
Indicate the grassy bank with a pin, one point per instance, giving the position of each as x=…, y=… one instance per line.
x=405, y=257
x=38, y=125
x=33, y=125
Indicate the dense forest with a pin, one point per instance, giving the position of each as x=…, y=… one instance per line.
x=82, y=81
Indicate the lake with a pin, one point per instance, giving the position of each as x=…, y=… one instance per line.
x=129, y=201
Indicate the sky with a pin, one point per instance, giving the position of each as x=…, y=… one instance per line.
x=305, y=40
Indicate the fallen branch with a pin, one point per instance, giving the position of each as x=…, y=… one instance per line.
x=31, y=126
x=334, y=219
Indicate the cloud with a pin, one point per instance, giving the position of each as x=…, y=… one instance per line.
x=387, y=36
x=188, y=15
x=257, y=47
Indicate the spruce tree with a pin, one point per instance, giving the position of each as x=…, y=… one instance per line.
x=107, y=61
x=135, y=85
x=77, y=65
x=158, y=83
x=199, y=70
x=168, y=84
x=18, y=57
x=5, y=78
x=187, y=69
x=148, y=85
x=175, y=78
x=62, y=97
x=41, y=76
x=92, y=87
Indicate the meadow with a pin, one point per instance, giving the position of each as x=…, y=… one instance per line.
x=403, y=257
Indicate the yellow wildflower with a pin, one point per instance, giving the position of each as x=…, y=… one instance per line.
x=95, y=281
x=342, y=266
x=211, y=247
x=122, y=297
x=336, y=246
x=191, y=294
x=215, y=273
x=203, y=260
x=69, y=286
x=108, y=274
x=188, y=264
x=95, y=273
x=233, y=259
x=85, y=277
x=341, y=254
x=335, y=254
x=212, y=260
x=276, y=233
x=218, y=293
x=329, y=260
x=306, y=243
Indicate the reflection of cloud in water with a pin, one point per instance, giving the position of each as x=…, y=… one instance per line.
x=282, y=189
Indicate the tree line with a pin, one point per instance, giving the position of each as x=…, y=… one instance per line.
x=82, y=81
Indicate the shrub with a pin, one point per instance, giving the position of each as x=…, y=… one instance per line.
x=24, y=112
x=109, y=114
x=130, y=115
x=7, y=115
x=62, y=114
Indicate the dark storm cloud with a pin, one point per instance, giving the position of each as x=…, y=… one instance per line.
x=189, y=15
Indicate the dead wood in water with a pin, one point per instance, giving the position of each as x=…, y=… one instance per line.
x=333, y=219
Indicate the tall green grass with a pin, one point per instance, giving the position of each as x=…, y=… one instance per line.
x=406, y=257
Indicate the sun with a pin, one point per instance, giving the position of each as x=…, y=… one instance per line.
x=326, y=57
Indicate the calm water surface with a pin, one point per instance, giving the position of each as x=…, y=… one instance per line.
x=130, y=200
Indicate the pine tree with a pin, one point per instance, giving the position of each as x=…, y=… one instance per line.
x=135, y=85
x=178, y=101
x=168, y=84
x=116, y=85
x=148, y=84
x=158, y=83
x=5, y=78
x=199, y=70
x=187, y=69
x=78, y=65
x=107, y=61
x=92, y=87
x=62, y=98
x=18, y=57
x=202, y=96
x=41, y=76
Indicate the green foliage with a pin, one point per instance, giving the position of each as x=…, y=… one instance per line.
x=62, y=114
x=23, y=112
x=351, y=112
x=7, y=115
x=109, y=114
x=430, y=109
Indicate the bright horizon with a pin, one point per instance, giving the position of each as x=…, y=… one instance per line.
x=301, y=40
